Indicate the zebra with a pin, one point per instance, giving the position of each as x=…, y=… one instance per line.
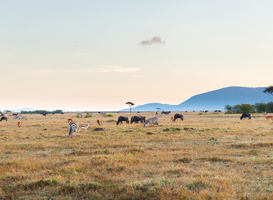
x=153, y=120
x=24, y=118
x=16, y=117
x=72, y=127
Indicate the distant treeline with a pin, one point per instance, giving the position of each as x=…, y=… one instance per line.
x=247, y=108
x=42, y=111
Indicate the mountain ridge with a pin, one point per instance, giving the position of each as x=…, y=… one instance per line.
x=213, y=100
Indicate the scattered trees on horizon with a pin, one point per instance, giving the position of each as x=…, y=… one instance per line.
x=247, y=108
x=129, y=103
x=41, y=111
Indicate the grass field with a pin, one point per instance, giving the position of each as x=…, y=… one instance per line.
x=206, y=156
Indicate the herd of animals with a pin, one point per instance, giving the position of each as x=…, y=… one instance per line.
x=74, y=128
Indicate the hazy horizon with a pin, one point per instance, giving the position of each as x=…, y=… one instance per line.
x=97, y=55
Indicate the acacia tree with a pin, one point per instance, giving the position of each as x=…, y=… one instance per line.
x=269, y=90
x=129, y=103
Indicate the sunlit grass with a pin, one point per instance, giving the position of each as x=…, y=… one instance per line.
x=203, y=157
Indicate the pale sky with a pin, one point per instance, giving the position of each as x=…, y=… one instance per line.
x=97, y=55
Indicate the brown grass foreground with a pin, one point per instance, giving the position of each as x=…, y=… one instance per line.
x=206, y=156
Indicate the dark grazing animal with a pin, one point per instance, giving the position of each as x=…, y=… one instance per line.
x=44, y=114
x=151, y=121
x=178, y=116
x=164, y=112
x=137, y=119
x=244, y=115
x=3, y=118
x=15, y=114
x=122, y=119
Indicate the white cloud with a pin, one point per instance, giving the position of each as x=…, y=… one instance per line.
x=138, y=76
x=104, y=69
x=37, y=73
x=154, y=40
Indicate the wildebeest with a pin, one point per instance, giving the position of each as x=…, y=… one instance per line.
x=136, y=119
x=15, y=114
x=151, y=121
x=156, y=113
x=164, y=112
x=62, y=113
x=2, y=114
x=44, y=114
x=206, y=111
x=3, y=118
x=178, y=116
x=121, y=119
x=244, y=115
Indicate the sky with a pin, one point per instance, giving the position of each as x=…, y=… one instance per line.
x=97, y=55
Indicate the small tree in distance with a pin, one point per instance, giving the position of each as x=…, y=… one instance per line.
x=129, y=103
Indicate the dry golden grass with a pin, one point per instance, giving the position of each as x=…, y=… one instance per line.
x=206, y=156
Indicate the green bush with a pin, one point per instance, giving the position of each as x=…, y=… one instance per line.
x=88, y=115
x=108, y=115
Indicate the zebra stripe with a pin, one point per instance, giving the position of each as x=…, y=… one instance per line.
x=24, y=118
x=72, y=127
x=16, y=117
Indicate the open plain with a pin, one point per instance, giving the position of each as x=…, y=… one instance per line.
x=206, y=156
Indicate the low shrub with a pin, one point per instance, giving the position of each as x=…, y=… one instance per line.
x=108, y=115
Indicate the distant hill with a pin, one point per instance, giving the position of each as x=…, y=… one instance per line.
x=213, y=100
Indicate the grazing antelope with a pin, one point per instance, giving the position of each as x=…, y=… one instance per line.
x=172, y=118
x=98, y=122
x=24, y=118
x=69, y=120
x=72, y=127
x=268, y=117
x=16, y=117
x=85, y=126
x=19, y=124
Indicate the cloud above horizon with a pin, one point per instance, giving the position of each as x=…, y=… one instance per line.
x=154, y=40
x=102, y=69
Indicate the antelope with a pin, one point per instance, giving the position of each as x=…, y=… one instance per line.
x=98, y=122
x=268, y=117
x=19, y=124
x=172, y=118
x=69, y=120
x=85, y=126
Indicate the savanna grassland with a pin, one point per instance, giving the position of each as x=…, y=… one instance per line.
x=206, y=156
